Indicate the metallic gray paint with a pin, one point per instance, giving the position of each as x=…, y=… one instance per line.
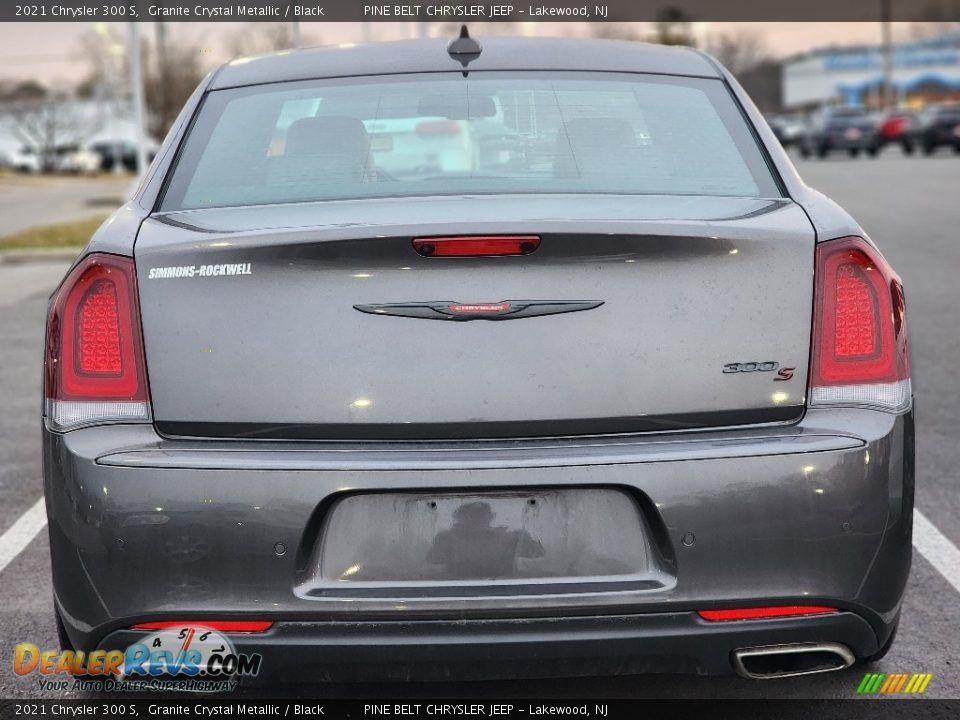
x=404, y=57
x=670, y=271
x=815, y=511
x=174, y=538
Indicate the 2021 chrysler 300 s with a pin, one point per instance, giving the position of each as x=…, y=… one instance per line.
x=537, y=358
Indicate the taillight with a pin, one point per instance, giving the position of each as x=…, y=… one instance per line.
x=95, y=371
x=859, y=333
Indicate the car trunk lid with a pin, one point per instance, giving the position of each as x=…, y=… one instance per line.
x=263, y=322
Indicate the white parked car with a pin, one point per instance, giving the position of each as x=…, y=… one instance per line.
x=23, y=159
x=82, y=161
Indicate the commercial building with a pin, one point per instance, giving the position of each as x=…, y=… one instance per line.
x=923, y=71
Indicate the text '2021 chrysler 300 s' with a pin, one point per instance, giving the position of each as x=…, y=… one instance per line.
x=535, y=358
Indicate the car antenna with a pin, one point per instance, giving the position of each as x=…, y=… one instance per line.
x=464, y=48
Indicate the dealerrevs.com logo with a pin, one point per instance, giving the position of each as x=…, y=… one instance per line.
x=189, y=657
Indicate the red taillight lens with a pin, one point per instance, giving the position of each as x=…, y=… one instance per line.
x=477, y=246
x=98, y=331
x=859, y=339
x=95, y=368
x=227, y=626
x=765, y=612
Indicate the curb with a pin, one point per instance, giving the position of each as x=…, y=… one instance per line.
x=38, y=255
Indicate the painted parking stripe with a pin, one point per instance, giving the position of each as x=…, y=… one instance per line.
x=934, y=546
x=22, y=532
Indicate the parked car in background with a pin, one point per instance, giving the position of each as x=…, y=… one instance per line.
x=420, y=147
x=896, y=127
x=113, y=153
x=789, y=129
x=429, y=145
x=937, y=125
x=80, y=161
x=842, y=129
x=22, y=159
x=123, y=152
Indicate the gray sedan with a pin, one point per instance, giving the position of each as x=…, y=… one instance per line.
x=359, y=394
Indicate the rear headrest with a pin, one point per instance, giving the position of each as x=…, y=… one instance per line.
x=333, y=135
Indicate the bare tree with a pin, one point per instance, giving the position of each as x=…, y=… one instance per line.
x=673, y=27
x=47, y=124
x=740, y=50
x=616, y=30
x=260, y=38
x=21, y=90
x=173, y=67
x=103, y=51
x=169, y=81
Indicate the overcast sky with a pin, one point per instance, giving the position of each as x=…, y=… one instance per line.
x=49, y=52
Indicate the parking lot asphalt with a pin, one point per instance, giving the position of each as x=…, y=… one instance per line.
x=907, y=205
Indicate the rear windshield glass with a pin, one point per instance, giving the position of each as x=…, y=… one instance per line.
x=443, y=134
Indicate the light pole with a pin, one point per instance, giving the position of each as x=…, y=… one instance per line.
x=136, y=97
x=887, y=94
x=111, y=52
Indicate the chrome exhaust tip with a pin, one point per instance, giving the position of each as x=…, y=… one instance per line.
x=779, y=661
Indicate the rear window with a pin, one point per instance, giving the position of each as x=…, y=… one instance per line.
x=443, y=134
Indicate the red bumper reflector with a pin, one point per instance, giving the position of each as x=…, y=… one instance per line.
x=765, y=612
x=476, y=246
x=228, y=626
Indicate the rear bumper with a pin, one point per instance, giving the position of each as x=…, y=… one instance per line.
x=508, y=648
x=143, y=528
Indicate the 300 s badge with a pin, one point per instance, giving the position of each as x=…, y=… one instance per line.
x=768, y=366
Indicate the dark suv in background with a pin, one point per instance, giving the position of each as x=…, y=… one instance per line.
x=938, y=125
x=842, y=128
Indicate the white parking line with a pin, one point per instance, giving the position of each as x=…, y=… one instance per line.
x=934, y=546
x=19, y=535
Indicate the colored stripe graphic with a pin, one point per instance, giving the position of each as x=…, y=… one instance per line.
x=900, y=683
x=870, y=683
x=894, y=683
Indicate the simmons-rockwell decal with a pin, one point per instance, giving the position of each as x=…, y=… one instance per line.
x=503, y=310
x=189, y=271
